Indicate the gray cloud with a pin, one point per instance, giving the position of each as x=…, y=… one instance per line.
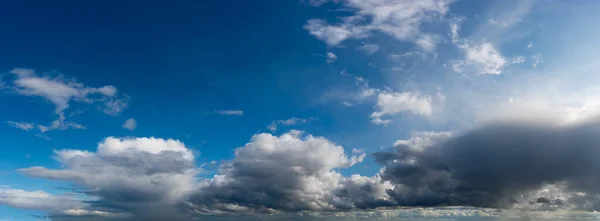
x=503, y=165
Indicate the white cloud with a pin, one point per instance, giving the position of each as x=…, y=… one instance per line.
x=368, y=49
x=21, y=125
x=331, y=57
x=398, y=18
x=290, y=172
x=230, y=112
x=530, y=45
x=61, y=92
x=287, y=122
x=130, y=124
x=518, y=60
x=536, y=59
x=423, y=139
x=133, y=174
x=481, y=58
x=427, y=42
x=391, y=103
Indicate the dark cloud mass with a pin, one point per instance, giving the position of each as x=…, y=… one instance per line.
x=499, y=166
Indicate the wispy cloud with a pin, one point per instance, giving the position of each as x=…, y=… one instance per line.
x=130, y=124
x=61, y=91
x=287, y=122
x=399, y=19
x=331, y=57
x=229, y=112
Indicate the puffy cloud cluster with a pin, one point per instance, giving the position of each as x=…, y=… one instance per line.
x=291, y=172
x=523, y=166
x=128, y=175
x=61, y=91
x=401, y=19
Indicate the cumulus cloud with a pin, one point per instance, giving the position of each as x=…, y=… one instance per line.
x=130, y=124
x=502, y=165
x=397, y=18
x=368, y=49
x=287, y=122
x=61, y=91
x=292, y=172
x=128, y=175
x=391, y=103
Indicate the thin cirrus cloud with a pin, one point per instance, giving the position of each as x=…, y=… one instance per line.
x=229, y=112
x=287, y=122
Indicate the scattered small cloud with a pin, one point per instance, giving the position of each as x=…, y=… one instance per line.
x=536, y=59
x=480, y=58
x=518, y=60
x=530, y=45
x=21, y=125
x=230, y=112
x=504, y=22
x=130, y=124
x=287, y=122
x=368, y=49
x=331, y=57
x=391, y=103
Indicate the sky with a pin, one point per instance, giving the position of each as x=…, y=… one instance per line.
x=299, y=110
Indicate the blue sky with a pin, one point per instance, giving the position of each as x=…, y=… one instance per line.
x=232, y=84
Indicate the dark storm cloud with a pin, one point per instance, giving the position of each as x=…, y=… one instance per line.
x=494, y=165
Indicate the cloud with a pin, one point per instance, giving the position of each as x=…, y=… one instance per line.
x=391, y=103
x=127, y=175
x=61, y=91
x=38, y=200
x=230, y=112
x=288, y=122
x=518, y=60
x=292, y=172
x=400, y=19
x=368, y=49
x=480, y=58
x=130, y=124
x=501, y=165
x=331, y=57
x=536, y=59
x=530, y=45
x=21, y=125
